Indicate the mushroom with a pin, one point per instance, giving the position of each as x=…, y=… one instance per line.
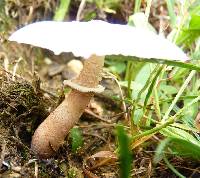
x=92, y=41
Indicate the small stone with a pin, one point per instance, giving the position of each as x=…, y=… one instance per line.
x=48, y=61
x=73, y=69
x=55, y=69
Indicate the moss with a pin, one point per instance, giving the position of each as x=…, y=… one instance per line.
x=21, y=109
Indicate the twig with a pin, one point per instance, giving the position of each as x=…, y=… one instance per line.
x=3, y=148
x=96, y=135
x=121, y=95
x=80, y=9
x=192, y=73
x=15, y=68
x=36, y=169
x=6, y=64
x=89, y=174
x=96, y=116
x=11, y=74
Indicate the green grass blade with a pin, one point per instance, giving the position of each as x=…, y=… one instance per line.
x=185, y=148
x=163, y=125
x=173, y=169
x=124, y=152
x=137, y=5
x=158, y=61
x=160, y=150
x=171, y=11
x=148, y=8
x=150, y=89
x=62, y=10
x=183, y=87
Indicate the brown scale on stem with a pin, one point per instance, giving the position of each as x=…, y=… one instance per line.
x=50, y=135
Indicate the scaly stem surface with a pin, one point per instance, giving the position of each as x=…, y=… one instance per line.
x=51, y=133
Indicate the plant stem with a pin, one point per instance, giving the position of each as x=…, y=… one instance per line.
x=171, y=120
x=137, y=6
x=157, y=106
x=185, y=84
x=170, y=166
x=147, y=11
x=154, y=130
x=62, y=10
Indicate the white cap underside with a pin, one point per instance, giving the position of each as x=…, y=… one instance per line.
x=97, y=37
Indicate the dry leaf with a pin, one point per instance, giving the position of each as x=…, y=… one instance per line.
x=139, y=141
x=102, y=158
x=104, y=154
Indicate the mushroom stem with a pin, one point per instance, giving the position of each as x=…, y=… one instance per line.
x=50, y=135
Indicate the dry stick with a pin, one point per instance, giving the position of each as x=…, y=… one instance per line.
x=36, y=169
x=96, y=116
x=185, y=84
x=50, y=135
x=31, y=161
x=96, y=135
x=6, y=64
x=3, y=148
x=11, y=74
x=15, y=68
x=80, y=9
x=89, y=174
x=121, y=95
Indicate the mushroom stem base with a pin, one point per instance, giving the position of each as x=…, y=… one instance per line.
x=50, y=135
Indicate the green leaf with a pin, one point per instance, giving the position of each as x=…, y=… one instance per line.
x=171, y=11
x=191, y=29
x=142, y=79
x=168, y=89
x=190, y=113
x=179, y=74
x=195, y=22
x=185, y=148
x=179, y=147
x=116, y=66
x=137, y=115
x=77, y=139
x=187, y=36
x=174, y=132
x=90, y=15
x=108, y=6
x=134, y=85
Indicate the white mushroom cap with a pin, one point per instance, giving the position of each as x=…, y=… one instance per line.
x=97, y=37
